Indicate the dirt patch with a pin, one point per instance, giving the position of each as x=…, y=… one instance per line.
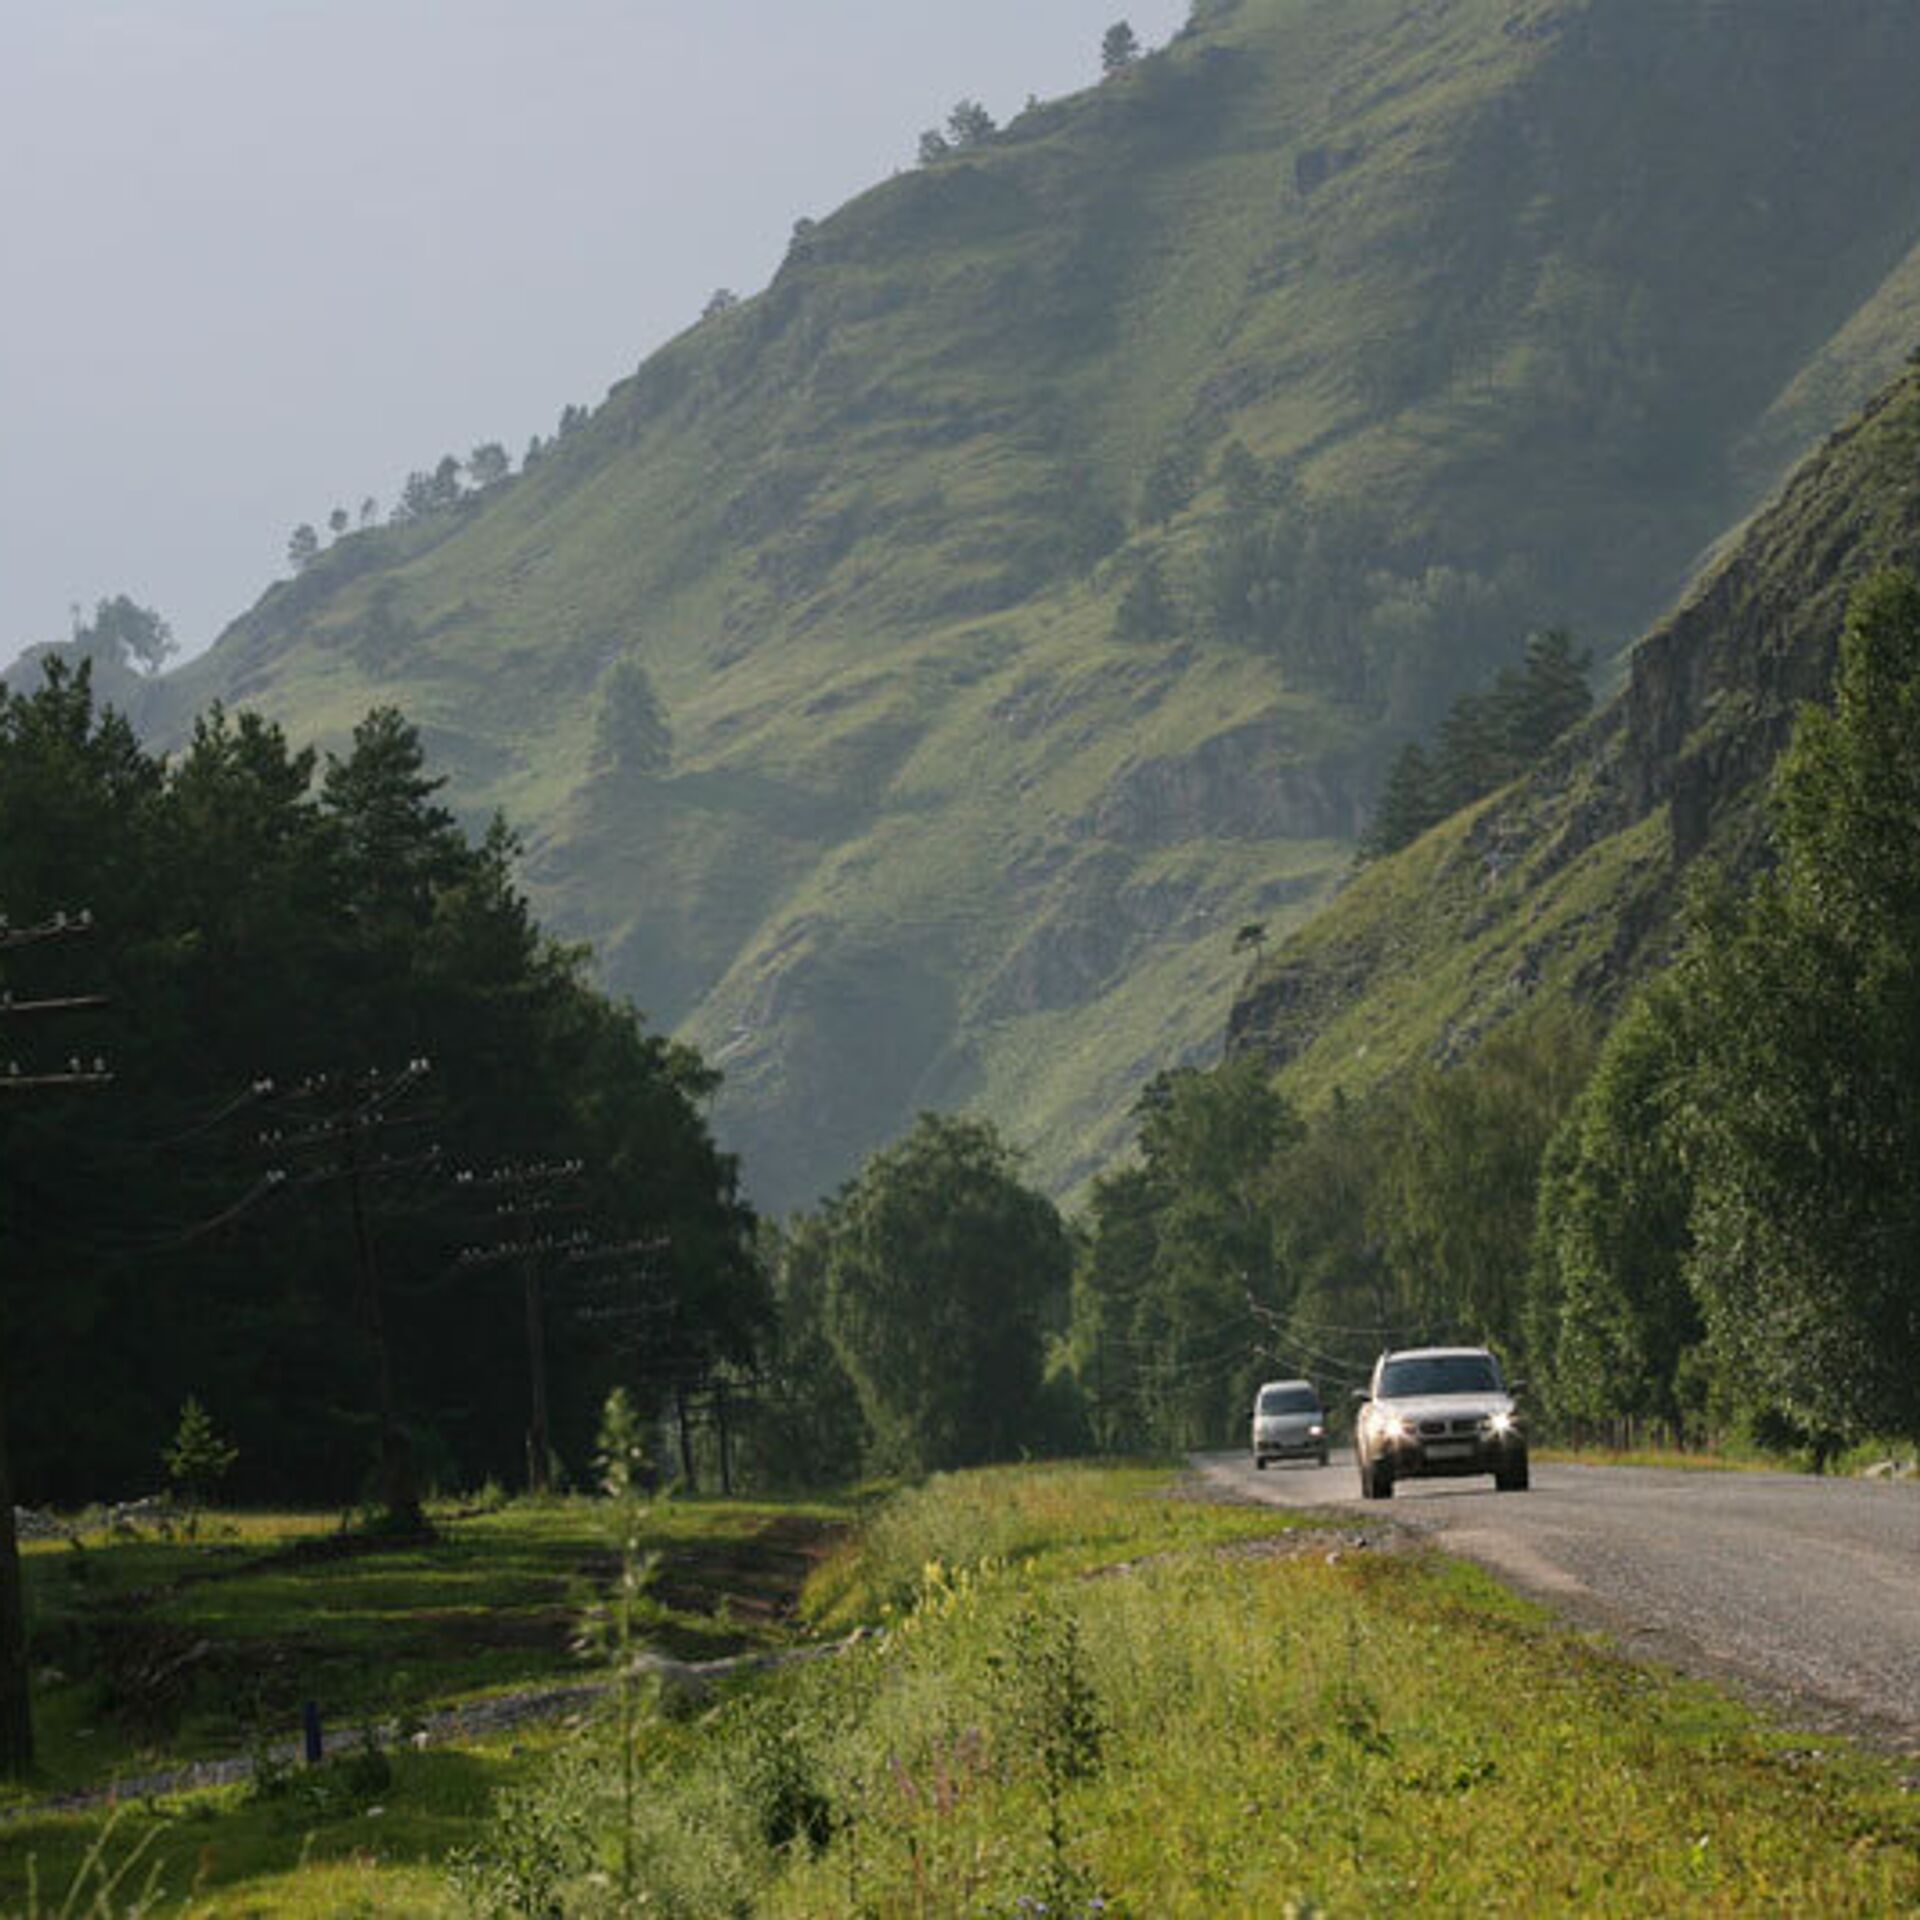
x=755, y=1580
x=465, y=1630
x=1330, y=1544
x=325, y=1549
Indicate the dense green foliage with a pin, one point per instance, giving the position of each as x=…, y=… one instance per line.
x=1612, y=1323
x=1707, y=1222
x=1179, y=1261
x=632, y=734
x=1252, y=1242
x=270, y=936
x=1485, y=740
x=1803, y=1097
x=1752, y=1139
x=920, y=1293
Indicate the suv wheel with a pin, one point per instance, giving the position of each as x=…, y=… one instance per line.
x=1513, y=1479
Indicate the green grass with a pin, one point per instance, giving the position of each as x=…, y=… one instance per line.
x=232, y=1851
x=492, y=1605
x=1076, y=1686
x=390, y=1635
x=1085, y=1693
x=1679, y=1459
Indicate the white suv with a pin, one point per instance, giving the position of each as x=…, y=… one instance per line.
x=1436, y=1411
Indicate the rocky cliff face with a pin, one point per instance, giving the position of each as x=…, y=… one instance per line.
x=1568, y=880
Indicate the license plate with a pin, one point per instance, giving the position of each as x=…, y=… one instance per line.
x=1449, y=1449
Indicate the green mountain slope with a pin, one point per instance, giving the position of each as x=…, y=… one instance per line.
x=1566, y=883
x=1517, y=304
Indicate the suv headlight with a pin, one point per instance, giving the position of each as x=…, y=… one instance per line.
x=1502, y=1424
x=1395, y=1426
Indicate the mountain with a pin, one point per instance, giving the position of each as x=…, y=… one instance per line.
x=911, y=678
x=1566, y=883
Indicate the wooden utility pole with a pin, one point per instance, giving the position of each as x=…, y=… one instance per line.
x=398, y=1485
x=526, y=1199
x=686, y=1438
x=16, y=1703
x=363, y=1108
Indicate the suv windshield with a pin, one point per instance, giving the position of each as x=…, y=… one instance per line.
x=1439, y=1373
x=1289, y=1400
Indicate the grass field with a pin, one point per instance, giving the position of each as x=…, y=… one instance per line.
x=154, y=1651
x=1073, y=1691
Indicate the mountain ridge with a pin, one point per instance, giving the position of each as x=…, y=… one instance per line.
x=1569, y=882
x=932, y=832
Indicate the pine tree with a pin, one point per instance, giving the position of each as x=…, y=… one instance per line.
x=1146, y=611
x=1119, y=48
x=1409, y=805
x=197, y=1459
x=631, y=734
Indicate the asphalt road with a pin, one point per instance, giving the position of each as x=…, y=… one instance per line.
x=1804, y=1592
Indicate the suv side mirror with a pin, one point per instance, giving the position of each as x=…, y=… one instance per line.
x=1362, y=1395
x=1515, y=1388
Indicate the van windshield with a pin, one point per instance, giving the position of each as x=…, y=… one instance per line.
x=1288, y=1400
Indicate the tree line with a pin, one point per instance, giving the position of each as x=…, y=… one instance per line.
x=428, y=491
x=1323, y=587
x=1705, y=1215
x=969, y=125
x=325, y=1000
x=1730, y=1220
x=1485, y=740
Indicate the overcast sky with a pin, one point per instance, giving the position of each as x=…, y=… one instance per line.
x=263, y=257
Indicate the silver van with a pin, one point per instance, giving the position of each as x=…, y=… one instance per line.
x=1289, y=1423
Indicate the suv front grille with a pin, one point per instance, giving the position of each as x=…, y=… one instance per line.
x=1443, y=1429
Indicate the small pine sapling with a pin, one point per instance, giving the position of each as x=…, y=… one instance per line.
x=197, y=1459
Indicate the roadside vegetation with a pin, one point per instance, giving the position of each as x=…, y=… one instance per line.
x=1062, y=1689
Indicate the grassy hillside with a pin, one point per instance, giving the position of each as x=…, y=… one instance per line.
x=1567, y=883
x=1515, y=304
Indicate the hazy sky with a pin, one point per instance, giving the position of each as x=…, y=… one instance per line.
x=260, y=258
